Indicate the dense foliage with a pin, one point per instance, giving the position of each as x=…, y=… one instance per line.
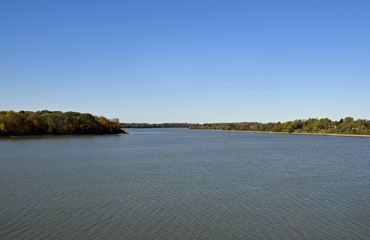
x=55, y=122
x=312, y=125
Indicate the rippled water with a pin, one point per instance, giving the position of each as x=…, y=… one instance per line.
x=185, y=184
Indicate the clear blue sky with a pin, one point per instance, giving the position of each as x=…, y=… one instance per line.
x=187, y=61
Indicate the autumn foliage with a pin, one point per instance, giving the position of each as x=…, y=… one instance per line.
x=55, y=122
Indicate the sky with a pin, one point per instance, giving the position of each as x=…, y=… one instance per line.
x=187, y=61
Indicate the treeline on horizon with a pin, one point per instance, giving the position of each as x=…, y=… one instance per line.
x=55, y=122
x=313, y=125
x=155, y=125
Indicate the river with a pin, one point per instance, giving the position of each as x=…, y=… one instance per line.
x=185, y=184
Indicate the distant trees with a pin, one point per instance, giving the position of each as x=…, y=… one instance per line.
x=54, y=122
x=155, y=125
x=347, y=125
x=312, y=125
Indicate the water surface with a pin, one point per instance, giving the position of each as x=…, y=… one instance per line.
x=185, y=184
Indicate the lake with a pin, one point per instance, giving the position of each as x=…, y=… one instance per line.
x=185, y=184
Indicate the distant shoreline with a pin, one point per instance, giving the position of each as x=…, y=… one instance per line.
x=268, y=132
x=293, y=133
x=348, y=126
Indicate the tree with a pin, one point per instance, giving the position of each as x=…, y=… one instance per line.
x=3, y=130
x=16, y=123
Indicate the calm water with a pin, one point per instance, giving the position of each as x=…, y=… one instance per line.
x=184, y=184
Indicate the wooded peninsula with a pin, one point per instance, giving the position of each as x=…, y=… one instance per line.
x=55, y=122
x=347, y=126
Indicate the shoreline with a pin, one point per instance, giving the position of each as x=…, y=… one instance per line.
x=293, y=133
x=63, y=135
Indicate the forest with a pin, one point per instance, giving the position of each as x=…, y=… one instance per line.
x=55, y=122
x=313, y=125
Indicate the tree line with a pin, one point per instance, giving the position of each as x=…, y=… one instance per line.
x=313, y=125
x=155, y=125
x=55, y=122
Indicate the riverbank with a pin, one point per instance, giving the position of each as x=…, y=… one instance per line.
x=35, y=136
x=293, y=133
